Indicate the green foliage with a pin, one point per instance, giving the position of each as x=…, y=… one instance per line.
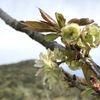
x=87, y=92
x=60, y=19
x=50, y=37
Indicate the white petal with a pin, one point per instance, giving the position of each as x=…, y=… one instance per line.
x=39, y=63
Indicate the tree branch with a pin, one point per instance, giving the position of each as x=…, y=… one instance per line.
x=34, y=35
x=93, y=66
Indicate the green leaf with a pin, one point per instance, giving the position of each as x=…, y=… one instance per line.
x=51, y=81
x=58, y=54
x=52, y=75
x=50, y=37
x=75, y=65
x=38, y=26
x=85, y=70
x=87, y=74
x=66, y=85
x=41, y=70
x=57, y=73
x=60, y=19
x=87, y=92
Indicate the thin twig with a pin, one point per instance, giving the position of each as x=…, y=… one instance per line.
x=69, y=78
x=93, y=66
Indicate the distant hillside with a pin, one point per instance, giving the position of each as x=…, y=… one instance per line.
x=18, y=82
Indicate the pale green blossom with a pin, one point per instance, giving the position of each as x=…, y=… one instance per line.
x=92, y=36
x=70, y=32
x=49, y=67
x=38, y=63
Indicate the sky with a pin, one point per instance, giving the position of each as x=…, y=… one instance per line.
x=16, y=46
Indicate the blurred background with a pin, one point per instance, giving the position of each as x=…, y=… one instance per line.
x=18, y=51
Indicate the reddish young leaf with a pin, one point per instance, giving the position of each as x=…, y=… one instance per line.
x=82, y=21
x=38, y=26
x=55, y=27
x=74, y=20
x=95, y=83
x=46, y=17
x=85, y=21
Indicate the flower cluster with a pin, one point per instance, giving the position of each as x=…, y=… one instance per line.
x=49, y=67
x=76, y=39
